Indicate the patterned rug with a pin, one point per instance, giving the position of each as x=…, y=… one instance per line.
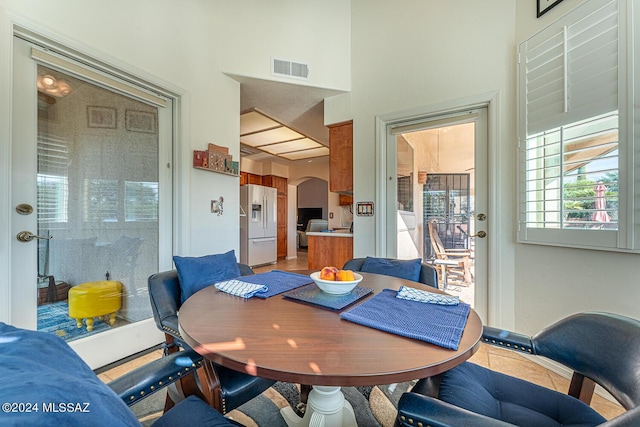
x=54, y=318
x=373, y=406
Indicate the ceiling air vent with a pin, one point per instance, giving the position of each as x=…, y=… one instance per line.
x=296, y=70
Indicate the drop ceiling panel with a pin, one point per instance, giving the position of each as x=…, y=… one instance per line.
x=261, y=132
x=306, y=154
x=270, y=137
x=287, y=147
x=253, y=121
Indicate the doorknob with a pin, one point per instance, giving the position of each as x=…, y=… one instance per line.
x=27, y=236
x=481, y=234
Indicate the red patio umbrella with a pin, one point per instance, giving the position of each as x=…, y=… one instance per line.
x=601, y=215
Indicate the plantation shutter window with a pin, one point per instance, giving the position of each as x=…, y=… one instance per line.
x=571, y=119
x=570, y=69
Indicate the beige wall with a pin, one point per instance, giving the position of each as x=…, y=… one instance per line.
x=392, y=55
x=417, y=54
x=186, y=46
x=554, y=282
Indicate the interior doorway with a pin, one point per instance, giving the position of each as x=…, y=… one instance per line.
x=311, y=204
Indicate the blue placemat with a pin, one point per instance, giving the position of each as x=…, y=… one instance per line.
x=312, y=294
x=436, y=324
x=277, y=281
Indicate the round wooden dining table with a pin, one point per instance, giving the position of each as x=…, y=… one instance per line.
x=285, y=340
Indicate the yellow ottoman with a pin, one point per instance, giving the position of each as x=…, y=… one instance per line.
x=94, y=299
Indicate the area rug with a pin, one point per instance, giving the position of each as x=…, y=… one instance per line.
x=373, y=406
x=54, y=318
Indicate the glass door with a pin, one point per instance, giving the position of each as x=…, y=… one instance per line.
x=97, y=210
x=437, y=178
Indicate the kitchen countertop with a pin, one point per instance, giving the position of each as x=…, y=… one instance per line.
x=329, y=233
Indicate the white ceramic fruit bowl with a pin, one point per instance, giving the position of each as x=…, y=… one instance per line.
x=336, y=287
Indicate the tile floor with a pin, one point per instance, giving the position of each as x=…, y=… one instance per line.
x=495, y=358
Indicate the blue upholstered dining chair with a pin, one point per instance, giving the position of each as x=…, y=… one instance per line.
x=47, y=383
x=223, y=388
x=600, y=348
x=414, y=269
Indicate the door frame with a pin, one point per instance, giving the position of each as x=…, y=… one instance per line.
x=488, y=308
x=109, y=346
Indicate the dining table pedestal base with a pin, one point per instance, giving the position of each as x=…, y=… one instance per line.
x=326, y=407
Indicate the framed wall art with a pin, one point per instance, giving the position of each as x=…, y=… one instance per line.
x=140, y=121
x=545, y=5
x=101, y=117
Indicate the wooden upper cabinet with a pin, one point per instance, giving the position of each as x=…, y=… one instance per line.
x=254, y=179
x=345, y=200
x=250, y=178
x=277, y=182
x=341, y=158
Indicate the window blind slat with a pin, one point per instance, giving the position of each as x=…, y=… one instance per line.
x=591, y=50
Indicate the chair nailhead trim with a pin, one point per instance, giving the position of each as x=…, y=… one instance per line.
x=508, y=345
x=164, y=328
x=152, y=388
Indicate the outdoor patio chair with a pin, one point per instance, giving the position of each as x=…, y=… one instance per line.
x=454, y=264
x=600, y=348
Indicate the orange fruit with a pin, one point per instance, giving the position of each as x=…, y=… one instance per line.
x=345, y=276
x=328, y=273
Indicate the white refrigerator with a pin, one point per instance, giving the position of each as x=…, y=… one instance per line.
x=258, y=228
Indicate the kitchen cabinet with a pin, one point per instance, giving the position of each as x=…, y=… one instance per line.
x=341, y=158
x=280, y=184
x=329, y=249
x=345, y=200
x=277, y=182
x=250, y=178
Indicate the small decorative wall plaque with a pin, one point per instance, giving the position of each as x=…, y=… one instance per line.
x=216, y=159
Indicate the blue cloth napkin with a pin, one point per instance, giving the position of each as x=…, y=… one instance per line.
x=419, y=295
x=277, y=281
x=240, y=288
x=436, y=324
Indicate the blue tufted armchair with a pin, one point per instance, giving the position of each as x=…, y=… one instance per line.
x=427, y=274
x=600, y=348
x=223, y=388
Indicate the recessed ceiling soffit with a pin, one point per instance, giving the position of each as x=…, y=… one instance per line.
x=258, y=131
